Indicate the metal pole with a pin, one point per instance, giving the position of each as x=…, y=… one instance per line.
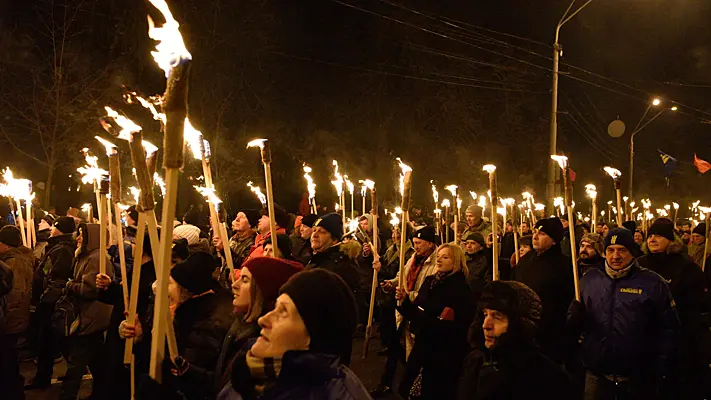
x=629, y=191
x=552, y=166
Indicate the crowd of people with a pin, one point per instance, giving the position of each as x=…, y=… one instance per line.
x=283, y=324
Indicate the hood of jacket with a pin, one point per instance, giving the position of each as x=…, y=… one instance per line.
x=90, y=237
x=351, y=249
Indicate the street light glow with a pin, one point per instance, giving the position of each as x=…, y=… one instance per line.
x=656, y=102
x=674, y=108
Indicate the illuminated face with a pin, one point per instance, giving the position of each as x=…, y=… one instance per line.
x=604, y=230
x=268, y=250
x=542, y=242
x=241, y=223
x=471, y=247
x=395, y=236
x=422, y=247
x=306, y=232
x=697, y=239
x=565, y=223
x=43, y=225
x=523, y=250
x=618, y=257
x=445, y=261
x=495, y=324
x=524, y=228
x=321, y=239
x=658, y=244
x=363, y=224
x=587, y=251
x=638, y=238
x=263, y=225
x=240, y=291
x=282, y=330
x=472, y=219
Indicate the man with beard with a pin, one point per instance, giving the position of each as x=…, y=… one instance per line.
x=629, y=324
x=590, y=256
x=479, y=262
x=688, y=288
x=475, y=223
x=548, y=273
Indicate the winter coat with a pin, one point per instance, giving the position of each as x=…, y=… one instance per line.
x=240, y=249
x=257, y=249
x=513, y=372
x=507, y=245
x=483, y=227
x=480, y=266
x=94, y=315
x=549, y=275
x=201, y=324
x=301, y=249
x=630, y=326
x=390, y=262
x=696, y=252
x=57, y=267
x=440, y=345
x=304, y=375
x=337, y=260
x=21, y=261
x=42, y=242
x=689, y=290
x=597, y=263
x=235, y=341
x=5, y=289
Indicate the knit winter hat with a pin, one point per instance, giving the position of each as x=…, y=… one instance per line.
x=473, y=209
x=520, y=303
x=49, y=219
x=475, y=236
x=191, y=233
x=332, y=223
x=10, y=236
x=65, y=225
x=281, y=217
x=327, y=307
x=631, y=225
x=180, y=249
x=551, y=227
x=662, y=227
x=195, y=273
x=309, y=220
x=623, y=237
x=700, y=229
x=426, y=233
x=252, y=216
x=283, y=243
x=270, y=274
x=595, y=241
x=133, y=213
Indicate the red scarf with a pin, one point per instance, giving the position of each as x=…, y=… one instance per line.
x=415, y=271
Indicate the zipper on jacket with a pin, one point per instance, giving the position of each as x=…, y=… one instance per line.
x=610, y=320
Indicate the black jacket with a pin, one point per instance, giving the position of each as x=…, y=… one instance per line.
x=335, y=260
x=301, y=249
x=480, y=266
x=513, y=372
x=440, y=345
x=57, y=266
x=507, y=245
x=550, y=275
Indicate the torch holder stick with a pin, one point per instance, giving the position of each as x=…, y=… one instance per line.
x=403, y=225
x=267, y=161
x=376, y=257
x=571, y=229
x=446, y=223
x=122, y=255
x=21, y=222
x=342, y=206
x=103, y=191
x=618, y=189
x=515, y=235
x=706, y=246
x=228, y=251
x=676, y=213
x=136, y=275
x=494, y=226
x=594, y=216
x=31, y=238
x=175, y=105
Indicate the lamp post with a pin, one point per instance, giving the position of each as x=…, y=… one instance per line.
x=638, y=129
x=557, y=50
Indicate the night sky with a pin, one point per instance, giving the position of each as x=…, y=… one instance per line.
x=446, y=85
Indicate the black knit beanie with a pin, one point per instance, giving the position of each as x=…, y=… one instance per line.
x=551, y=227
x=623, y=237
x=662, y=227
x=332, y=223
x=328, y=309
x=252, y=215
x=10, y=236
x=195, y=273
x=700, y=229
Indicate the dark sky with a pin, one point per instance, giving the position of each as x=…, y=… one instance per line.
x=325, y=80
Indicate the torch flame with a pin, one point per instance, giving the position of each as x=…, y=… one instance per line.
x=91, y=173
x=474, y=196
x=539, y=207
x=338, y=182
x=159, y=182
x=625, y=198
x=194, y=139
x=158, y=116
x=171, y=50
x=349, y=184
x=110, y=147
x=435, y=193
x=257, y=143
x=209, y=194
x=86, y=207
x=310, y=185
x=256, y=190
x=526, y=195
x=135, y=192
x=459, y=203
x=452, y=189
x=150, y=148
x=667, y=207
x=127, y=126
x=482, y=201
x=16, y=188
x=367, y=184
x=445, y=203
x=405, y=169
x=614, y=173
x=490, y=168
x=562, y=160
x=591, y=190
x=676, y=206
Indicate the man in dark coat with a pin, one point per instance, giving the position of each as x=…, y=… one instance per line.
x=10, y=378
x=57, y=269
x=549, y=274
x=505, y=362
x=325, y=242
x=629, y=325
x=479, y=262
x=689, y=290
x=301, y=245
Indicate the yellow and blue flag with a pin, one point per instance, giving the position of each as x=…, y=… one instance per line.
x=669, y=164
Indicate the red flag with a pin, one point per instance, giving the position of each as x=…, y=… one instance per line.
x=572, y=175
x=701, y=165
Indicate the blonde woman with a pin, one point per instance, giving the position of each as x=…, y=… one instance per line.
x=440, y=317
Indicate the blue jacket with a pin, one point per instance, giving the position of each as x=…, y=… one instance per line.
x=631, y=326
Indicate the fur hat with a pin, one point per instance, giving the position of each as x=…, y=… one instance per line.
x=595, y=241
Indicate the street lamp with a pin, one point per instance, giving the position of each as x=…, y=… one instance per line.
x=557, y=49
x=655, y=102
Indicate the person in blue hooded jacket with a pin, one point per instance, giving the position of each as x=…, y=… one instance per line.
x=629, y=325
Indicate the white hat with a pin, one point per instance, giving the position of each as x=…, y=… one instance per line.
x=191, y=233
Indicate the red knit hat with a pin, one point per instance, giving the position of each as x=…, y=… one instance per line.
x=269, y=274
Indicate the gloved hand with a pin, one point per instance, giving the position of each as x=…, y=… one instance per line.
x=576, y=317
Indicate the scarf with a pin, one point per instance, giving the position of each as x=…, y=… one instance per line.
x=618, y=274
x=264, y=371
x=415, y=271
x=438, y=277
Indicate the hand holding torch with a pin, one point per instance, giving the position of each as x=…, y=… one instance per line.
x=266, y=154
x=563, y=162
x=491, y=170
x=615, y=174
